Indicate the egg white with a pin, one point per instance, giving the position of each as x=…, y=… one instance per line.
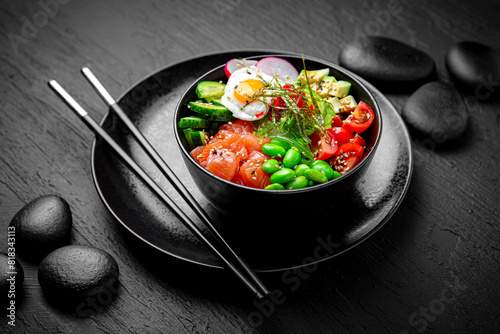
x=240, y=110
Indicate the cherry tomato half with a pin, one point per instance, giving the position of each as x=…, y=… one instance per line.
x=337, y=121
x=340, y=135
x=356, y=149
x=359, y=140
x=322, y=147
x=360, y=119
x=349, y=155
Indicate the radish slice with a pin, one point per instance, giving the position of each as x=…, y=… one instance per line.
x=235, y=64
x=275, y=65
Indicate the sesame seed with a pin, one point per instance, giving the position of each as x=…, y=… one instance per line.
x=254, y=178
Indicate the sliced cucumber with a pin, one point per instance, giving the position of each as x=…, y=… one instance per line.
x=211, y=111
x=195, y=138
x=217, y=102
x=193, y=122
x=210, y=90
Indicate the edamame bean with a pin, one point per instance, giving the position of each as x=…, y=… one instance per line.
x=299, y=171
x=325, y=169
x=311, y=183
x=315, y=175
x=273, y=150
x=297, y=183
x=318, y=162
x=271, y=166
x=281, y=142
x=336, y=174
x=284, y=175
x=275, y=186
x=292, y=158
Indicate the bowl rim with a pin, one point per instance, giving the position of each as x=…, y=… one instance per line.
x=351, y=77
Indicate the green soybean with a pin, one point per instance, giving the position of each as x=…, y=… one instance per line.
x=273, y=150
x=275, y=186
x=292, y=158
x=311, y=183
x=299, y=171
x=271, y=166
x=315, y=175
x=297, y=183
x=336, y=174
x=282, y=143
x=318, y=162
x=282, y=176
x=325, y=169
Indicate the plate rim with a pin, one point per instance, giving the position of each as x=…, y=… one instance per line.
x=373, y=90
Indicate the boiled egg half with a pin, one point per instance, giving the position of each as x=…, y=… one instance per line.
x=242, y=85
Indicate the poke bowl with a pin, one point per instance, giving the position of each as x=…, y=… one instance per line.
x=235, y=178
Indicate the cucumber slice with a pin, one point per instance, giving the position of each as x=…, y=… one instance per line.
x=211, y=111
x=217, y=102
x=193, y=122
x=195, y=138
x=210, y=90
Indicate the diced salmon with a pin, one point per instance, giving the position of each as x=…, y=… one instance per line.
x=223, y=164
x=253, y=143
x=251, y=171
x=197, y=151
x=238, y=126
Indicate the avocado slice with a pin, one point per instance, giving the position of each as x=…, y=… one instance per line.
x=312, y=76
x=340, y=88
x=335, y=103
x=348, y=103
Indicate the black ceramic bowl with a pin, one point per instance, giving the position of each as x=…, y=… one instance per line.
x=299, y=205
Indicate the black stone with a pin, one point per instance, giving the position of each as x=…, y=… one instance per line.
x=7, y=270
x=438, y=111
x=41, y=226
x=383, y=60
x=475, y=68
x=76, y=272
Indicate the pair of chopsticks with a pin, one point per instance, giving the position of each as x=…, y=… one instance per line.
x=235, y=264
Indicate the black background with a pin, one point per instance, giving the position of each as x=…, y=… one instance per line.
x=433, y=268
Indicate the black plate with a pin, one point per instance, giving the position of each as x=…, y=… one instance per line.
x=151, y=104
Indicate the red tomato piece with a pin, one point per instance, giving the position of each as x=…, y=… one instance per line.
x=322, y=147
x=337, y=121
x=349, y=155
x=360, y=119
x=359, y=140
x=356, y=149
x=340, y=135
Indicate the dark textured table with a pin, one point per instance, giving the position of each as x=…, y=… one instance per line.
x=432, y=268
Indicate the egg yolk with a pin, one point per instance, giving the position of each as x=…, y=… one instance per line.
x=246, y=89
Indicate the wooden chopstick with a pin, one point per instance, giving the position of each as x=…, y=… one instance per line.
x=98, y=130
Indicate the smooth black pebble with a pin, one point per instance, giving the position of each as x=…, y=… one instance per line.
x=385, y=60
x=11, y=277
x=77, y=271
x=41, y=226
x=437, y=110
x=475, y=68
